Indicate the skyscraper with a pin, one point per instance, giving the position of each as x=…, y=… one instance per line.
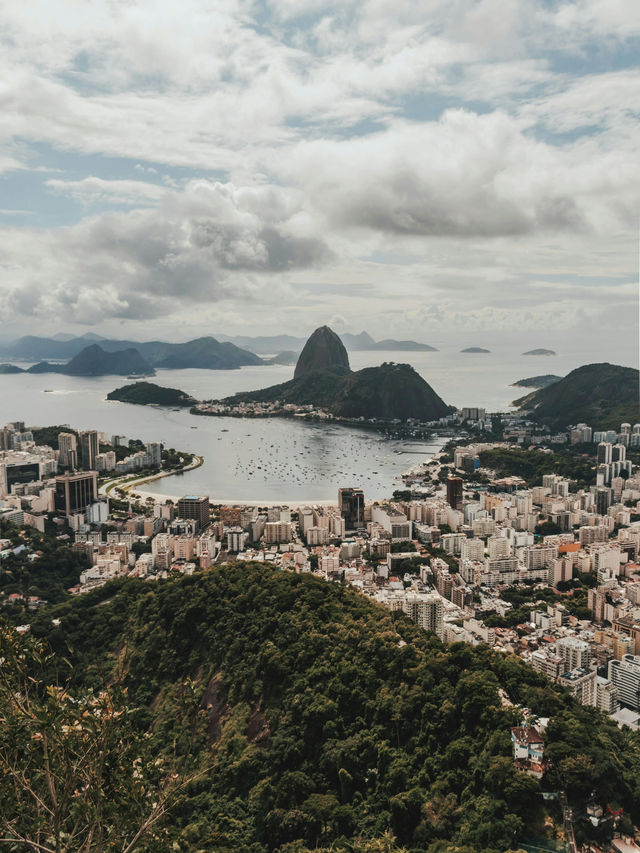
x=74, y=492
x=195, y=507
x=68, y=447
x=89, y=449
x=454, y=492
x=351, y=507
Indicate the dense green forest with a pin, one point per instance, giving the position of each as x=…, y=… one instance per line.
x=531, y=465
x=316, y=717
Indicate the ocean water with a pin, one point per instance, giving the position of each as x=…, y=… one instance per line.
x=276, y=459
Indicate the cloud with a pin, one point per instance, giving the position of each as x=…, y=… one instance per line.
x=92, y=189
x=203, y=245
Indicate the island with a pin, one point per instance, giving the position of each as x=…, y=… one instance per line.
x=149, y=394
x=602, y=395
x=324, y=386
x=475, y=349
x=94, y=361
x=286, y=358
x=540, y=351
x=537, y=381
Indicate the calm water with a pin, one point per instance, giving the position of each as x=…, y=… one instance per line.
x=276, y=459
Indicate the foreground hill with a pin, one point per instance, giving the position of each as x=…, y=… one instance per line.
x=322, y=717
x=147, y=393
x=601, y=395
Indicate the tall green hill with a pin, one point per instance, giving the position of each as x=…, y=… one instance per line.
x=601, y=395
x=322, y=717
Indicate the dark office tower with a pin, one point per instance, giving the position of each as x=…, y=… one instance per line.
x=197, y=508
x=454, y=492
x=603, y=500
x=605, y=450
x=351, y=506
x=68, y=447
x=618, y=453
x=74, y=492
x=89, y=449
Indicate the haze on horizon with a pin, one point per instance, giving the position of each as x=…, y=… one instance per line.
x=419, y=170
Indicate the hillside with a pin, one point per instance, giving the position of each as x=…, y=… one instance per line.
x=147, y=393
x=540, y=351
x=537, y=381
x=10, y=368
x=323, y=351
x=205, y=353
x=364, y=341
x=388, y=391
x=391, y=391
x=601, y=395
x=475, y=349
x=319, y=715
x=286, y=357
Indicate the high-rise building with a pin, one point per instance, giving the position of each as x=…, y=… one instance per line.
x=68, y=447
x=603, y=500
x=604, y=453
x=574, y=653
x=74, y=492
x=89, y=449
x=154, y=451
x=426, y=611
x=197, y=508
x=454, y=492
x=351, y=507
x=625, y=675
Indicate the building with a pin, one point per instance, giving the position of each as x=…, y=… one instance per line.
x=351, y=507
x=236, y=539
x=582, y=685
x=606, y=696
x=625, y=676
x=574, y=653
x=426, y=611
x=528, y=750
x=68, y=449
x=154, y=452
x=89, y=449
x=74, y=492
x=454, y=492
x=197, y=508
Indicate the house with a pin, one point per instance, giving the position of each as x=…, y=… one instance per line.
x=528, y=750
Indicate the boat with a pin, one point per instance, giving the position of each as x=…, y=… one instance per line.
x=48, y=390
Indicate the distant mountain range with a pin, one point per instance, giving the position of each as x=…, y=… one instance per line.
x=361, y=342
x=601, y=395
x=200, y=353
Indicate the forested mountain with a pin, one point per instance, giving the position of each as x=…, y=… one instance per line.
x=94, y=361
x=601, y=395
x=148, y=393
x=316, y=717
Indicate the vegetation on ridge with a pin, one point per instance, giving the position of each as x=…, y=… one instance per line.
x=323, y=718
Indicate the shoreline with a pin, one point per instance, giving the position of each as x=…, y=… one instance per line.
x=126, y=485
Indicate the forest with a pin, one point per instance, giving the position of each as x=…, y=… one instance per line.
x=311, y=717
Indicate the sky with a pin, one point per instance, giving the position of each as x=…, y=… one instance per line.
x=432, y=170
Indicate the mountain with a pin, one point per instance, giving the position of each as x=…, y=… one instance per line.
x=265, y=344
x=389, y=392
x=287, y=357
x=540, y=351
x=601, y=395
x=403, y=346
x=323, y=351
x=537, y=381
x=10, y=368
x=147, y=393
x=316, y=718
x=363, y=341
x=204, y=352
x=94, y=361
x=475, y=349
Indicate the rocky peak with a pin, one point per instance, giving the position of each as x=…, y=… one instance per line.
x=323, y=351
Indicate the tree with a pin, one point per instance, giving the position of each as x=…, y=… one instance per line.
x=75, y=774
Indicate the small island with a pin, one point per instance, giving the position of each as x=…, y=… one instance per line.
x=149, y=394
x=475, y=349
x=286, y=358
x=537, y=381
x=540, y=351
